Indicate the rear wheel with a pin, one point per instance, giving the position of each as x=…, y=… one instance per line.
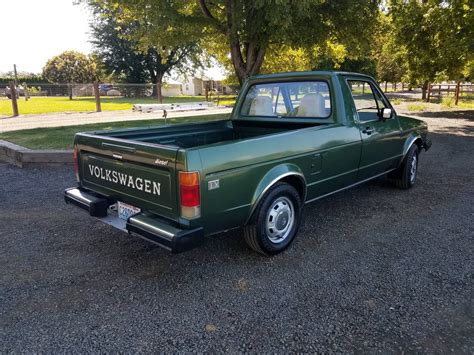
x=405, y=176
x=276, y=220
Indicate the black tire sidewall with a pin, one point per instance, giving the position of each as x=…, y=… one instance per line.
x=279, y=190
x=413, y=151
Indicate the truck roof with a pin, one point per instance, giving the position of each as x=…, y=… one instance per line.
x=305, y=73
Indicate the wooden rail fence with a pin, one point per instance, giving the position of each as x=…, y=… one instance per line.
x=458, y=89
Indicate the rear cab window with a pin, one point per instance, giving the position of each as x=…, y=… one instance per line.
x=300, y=99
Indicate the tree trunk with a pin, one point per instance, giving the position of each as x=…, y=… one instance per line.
x=254, y=60
x=385, y=86
x=159, y=85
x=457, y=93
x=70, y=91
x=424, y=89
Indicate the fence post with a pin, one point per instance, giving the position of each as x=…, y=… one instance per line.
x=98, y=107
x=14, y=98
x=458, y=89
x=25, y=88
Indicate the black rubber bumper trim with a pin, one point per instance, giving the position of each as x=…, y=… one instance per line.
x=95, y=206
x=183, y=241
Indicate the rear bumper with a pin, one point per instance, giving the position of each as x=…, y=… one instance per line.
x=147, y=226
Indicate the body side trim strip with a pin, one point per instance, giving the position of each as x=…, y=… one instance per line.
x=348, y=187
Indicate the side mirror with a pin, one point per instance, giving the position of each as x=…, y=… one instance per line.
x=386, y=113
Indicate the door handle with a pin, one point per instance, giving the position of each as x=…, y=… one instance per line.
x=368, y=130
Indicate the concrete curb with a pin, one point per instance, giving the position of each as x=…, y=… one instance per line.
x=20, y=156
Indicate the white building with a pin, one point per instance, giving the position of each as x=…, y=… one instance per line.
x=196, y=86
x=171, y=88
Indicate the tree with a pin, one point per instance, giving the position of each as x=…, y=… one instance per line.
x=69, y=68
x=438, y=37
x=120, y=56
x=389, y=57
x=139, y=50
x=251, y=28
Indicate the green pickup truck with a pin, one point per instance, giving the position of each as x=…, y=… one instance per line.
x=291, y=139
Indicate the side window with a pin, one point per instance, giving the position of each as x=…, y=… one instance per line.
x=367, y=102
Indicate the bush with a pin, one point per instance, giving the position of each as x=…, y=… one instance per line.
x=416, y=107
x=448, y=101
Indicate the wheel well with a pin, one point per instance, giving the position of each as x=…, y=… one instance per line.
x=298, y=183
x=419, y=143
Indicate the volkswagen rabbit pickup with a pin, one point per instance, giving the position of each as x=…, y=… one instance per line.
x=291, y=139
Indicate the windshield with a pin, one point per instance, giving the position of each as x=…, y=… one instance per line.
x=303, y=99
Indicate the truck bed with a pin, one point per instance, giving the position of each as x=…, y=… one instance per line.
x=194, y=135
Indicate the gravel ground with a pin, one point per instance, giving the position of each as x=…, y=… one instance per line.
x=374, y=269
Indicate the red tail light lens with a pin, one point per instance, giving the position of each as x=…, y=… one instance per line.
x=76, y=162
x=189, y=194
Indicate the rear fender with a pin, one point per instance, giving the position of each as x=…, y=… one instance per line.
x=273, y=176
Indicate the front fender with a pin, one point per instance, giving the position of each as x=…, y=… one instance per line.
x=410, y=141
x=274, y=175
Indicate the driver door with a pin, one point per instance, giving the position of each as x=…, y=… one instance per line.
x=381, y=138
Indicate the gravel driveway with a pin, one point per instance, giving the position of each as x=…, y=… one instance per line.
x=373, y=269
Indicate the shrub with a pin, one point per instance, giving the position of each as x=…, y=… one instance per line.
x=416, y=107
x=448, y=101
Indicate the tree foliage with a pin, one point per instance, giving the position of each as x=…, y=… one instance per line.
x=137, y=50
x=72, y=68
x=247, y=30
x=438, y=37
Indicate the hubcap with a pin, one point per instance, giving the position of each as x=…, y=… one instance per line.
x=413, y=167
x=280, y=220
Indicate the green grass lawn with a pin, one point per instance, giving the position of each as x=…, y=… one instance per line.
x=62, y=137
x=40, y=104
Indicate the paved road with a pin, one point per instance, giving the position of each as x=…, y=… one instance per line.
x=374, y=269
x=79, y=118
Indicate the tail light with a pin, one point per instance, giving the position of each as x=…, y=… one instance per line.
x=76, y=162
x=189, y=194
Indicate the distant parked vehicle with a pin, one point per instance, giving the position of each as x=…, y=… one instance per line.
x=20, y=91
x=103, y=88
x=108, y=90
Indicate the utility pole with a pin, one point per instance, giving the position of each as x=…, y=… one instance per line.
x=16, y=74
x=13, y=98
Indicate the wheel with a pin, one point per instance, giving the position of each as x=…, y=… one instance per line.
x=405, y=176
x=276, y=220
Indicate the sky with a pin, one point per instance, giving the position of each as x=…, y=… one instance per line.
x=43, y=29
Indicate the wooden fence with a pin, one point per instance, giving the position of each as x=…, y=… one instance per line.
x=439, y=90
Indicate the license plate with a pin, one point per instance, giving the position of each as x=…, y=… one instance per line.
x=125, y=210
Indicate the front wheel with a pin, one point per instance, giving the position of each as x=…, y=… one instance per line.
x=405, y=176
x=276, y=220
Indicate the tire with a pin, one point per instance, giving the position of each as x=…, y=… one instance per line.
x=405, y=176
x=276, y=220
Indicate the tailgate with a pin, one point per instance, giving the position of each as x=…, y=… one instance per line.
x=141, y=174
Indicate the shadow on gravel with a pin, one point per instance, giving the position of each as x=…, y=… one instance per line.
x=464, y=131
x=458, y=114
